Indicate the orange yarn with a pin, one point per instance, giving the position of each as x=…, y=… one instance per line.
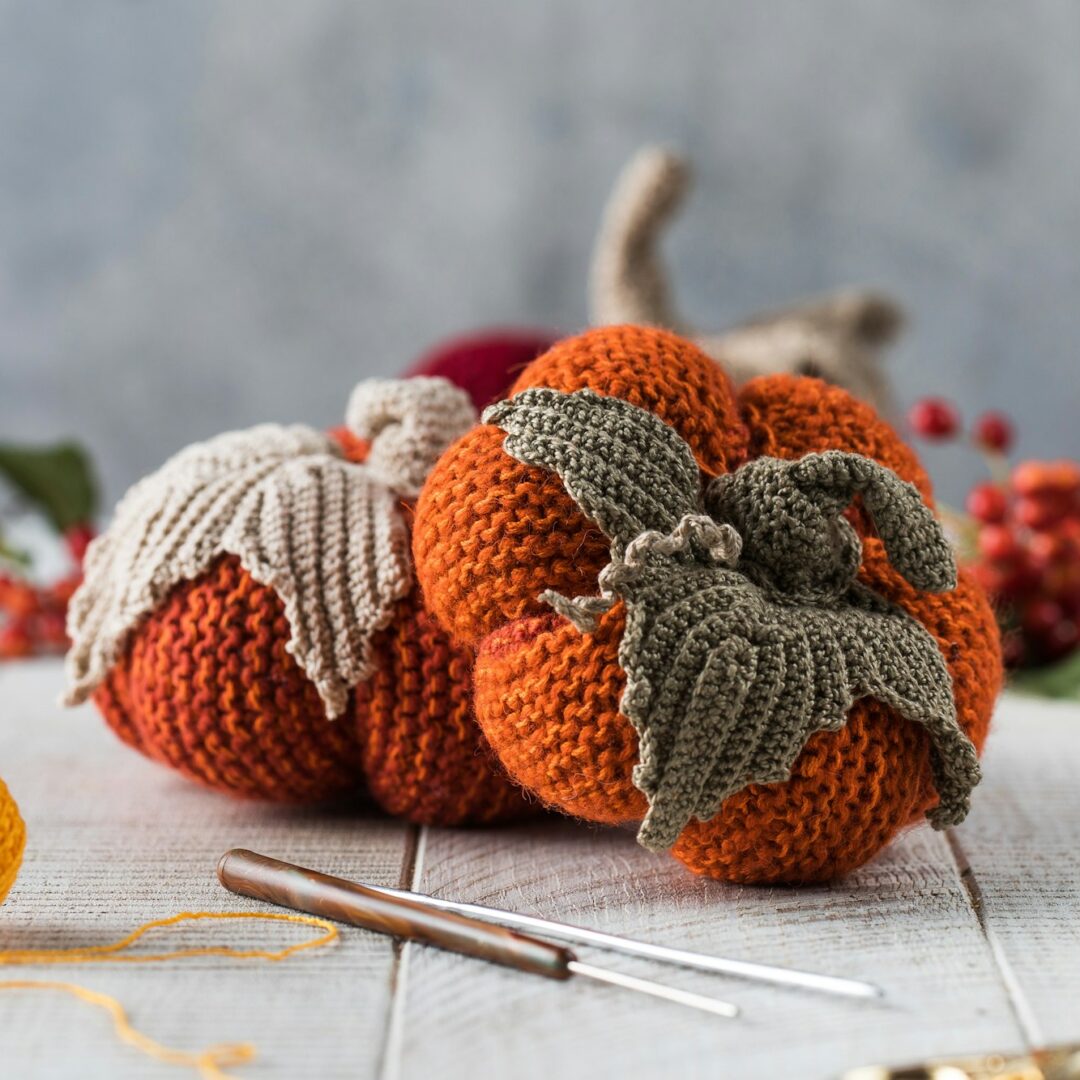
x=12, y=841
x=208, y=687
x=424, y=756
x=491, y=534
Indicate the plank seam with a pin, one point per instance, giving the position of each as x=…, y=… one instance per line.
x=1018, y=1003
x=412, y=870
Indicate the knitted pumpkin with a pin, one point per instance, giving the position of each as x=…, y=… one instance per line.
x=526, y=518
x=12, y=840
x=250, y=618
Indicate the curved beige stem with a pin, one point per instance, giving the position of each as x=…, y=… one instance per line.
x=836, y=337
x=628, y=282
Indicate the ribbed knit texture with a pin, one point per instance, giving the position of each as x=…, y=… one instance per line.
x=424, y=756
x=208, y=688
x=548, y=697
x=12, y=841
x=746, y=629
x=208, y=682
x=492, y=533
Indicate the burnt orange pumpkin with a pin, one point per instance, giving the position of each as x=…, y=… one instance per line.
x=207, y=686
x=492, y=533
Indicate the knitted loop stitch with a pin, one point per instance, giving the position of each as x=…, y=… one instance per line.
x=492, y=534
x=733, y=662
x=229, y=660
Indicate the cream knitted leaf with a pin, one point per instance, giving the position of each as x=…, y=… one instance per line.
x=300, y=518
x=327, y=535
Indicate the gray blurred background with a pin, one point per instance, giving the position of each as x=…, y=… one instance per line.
x=217, y=213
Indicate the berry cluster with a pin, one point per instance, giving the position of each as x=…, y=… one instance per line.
x=1024, y=537
x=33, y=617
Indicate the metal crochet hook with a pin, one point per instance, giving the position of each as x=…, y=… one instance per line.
x=579, y=935
x=407, y=916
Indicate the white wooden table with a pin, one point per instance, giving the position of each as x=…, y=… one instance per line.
x=975, y=935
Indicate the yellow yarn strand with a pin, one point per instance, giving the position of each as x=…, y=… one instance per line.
x=90, y=954
x=209, y=1062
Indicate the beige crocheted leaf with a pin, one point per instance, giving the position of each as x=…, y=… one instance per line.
x=327, y=537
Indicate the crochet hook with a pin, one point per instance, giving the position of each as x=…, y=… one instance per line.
x=406, y=916
x=580, y=935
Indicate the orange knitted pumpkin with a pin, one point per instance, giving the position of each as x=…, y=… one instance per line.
x=492, y=533
x=209, y=681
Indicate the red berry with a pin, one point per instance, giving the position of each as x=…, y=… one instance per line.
x=52, y=631
x=1047, y=478
x=987, y=503
x=78, y=538
x=1049, y=549
x=934, y=418
x=15, y=641
x=1040, y=511
x=19, y=599
x=1041, y=616
x=998, y=543
x=993, y=431
x=60, y=592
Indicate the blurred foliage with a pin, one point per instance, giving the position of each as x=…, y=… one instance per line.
x=58, y=480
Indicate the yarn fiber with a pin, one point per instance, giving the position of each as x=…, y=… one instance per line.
x=491, y=534
x=12, y=841
x=746, y=631
x=210, y=683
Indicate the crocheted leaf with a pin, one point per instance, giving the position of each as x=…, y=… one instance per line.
x=320, y=531
x=627, y=470
x=734, y=658
x=817, y=553
x=725, y=687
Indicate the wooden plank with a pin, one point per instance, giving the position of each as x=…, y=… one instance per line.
x=904, y=921
x=115, y=840
x=1023, y=849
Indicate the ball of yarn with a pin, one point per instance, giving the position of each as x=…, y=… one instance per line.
x=12, y=841
x=491, y=534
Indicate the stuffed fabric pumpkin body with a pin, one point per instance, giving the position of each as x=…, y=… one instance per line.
x=492, y=533
x=208, y=683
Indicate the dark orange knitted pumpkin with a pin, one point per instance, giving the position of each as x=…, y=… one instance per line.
x=207, y=682
x=491, y=534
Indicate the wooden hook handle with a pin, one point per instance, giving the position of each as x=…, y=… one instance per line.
x=295, y=887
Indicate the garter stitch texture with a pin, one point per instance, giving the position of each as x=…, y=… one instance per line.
x=209, y=680
x=491, y=534
x=746, y=630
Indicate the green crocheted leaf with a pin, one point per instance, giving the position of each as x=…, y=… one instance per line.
x=789, y=514
x=627, y=470
x=725, y=687
x=732, y=665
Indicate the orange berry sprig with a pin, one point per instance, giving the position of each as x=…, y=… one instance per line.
x=33, y=617
x=1026, y=523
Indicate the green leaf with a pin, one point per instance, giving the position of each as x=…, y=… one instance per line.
x=57, y=479
x=13, y=556
x=1060, y=680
